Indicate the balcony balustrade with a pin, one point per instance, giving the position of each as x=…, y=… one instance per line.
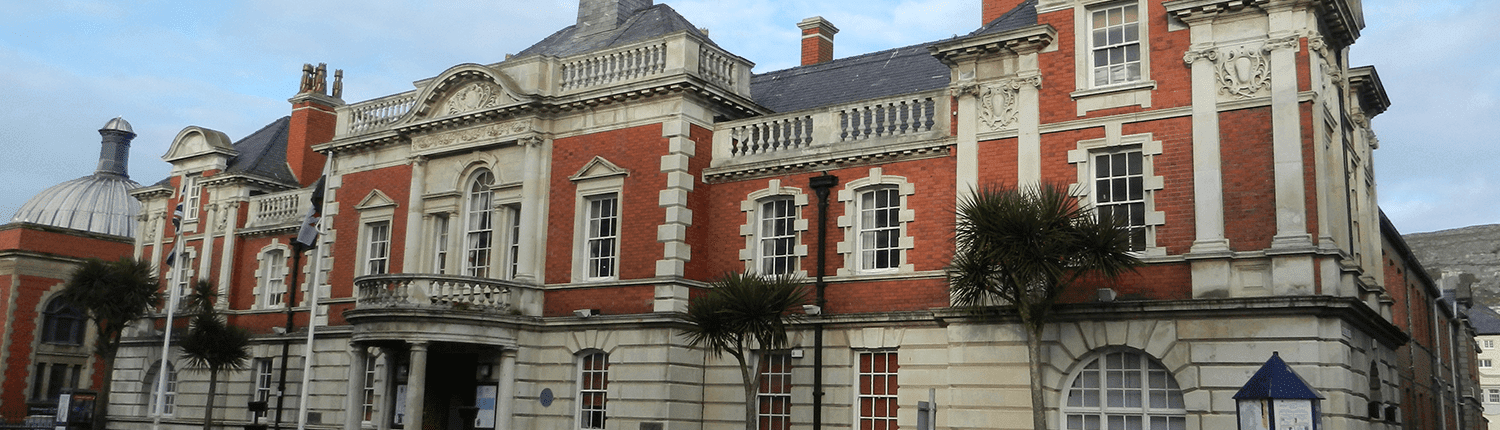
x=446, y=292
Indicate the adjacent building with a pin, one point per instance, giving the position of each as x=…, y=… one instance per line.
x=506, y=245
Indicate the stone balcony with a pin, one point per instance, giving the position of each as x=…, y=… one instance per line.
x=277, y=210
x=879, y=128
x=447, y=292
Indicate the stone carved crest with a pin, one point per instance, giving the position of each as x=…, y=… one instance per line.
x=1242, y=72
x=473, y=97
x=999, y=104
x=469, y=135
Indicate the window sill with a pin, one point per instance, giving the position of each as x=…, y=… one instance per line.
x=1131, y=94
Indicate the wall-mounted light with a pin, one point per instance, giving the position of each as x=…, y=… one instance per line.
x=484, y=371
x=1107, y=295
x=812, y=309
x=585, y=313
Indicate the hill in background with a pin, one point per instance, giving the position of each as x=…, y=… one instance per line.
x=1474, y=250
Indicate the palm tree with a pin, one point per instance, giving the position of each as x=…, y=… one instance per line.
x=1022, y=248
x=211, y=343
x=744, y=314
x=113, y=294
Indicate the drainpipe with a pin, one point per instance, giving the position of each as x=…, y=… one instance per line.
x=820, y=185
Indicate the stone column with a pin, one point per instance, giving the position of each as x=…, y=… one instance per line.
x=966, y=151
x=1208, y=169
x=416, y=384
x=1028, y=115
x=533, y=200
x=1286, y=135
x=354, y=396
x=505, y=400
x=226, y=260
x=410, y=252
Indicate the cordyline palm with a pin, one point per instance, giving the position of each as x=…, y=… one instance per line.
x=1023, y=247
x=113, y=294
x=211, y=343
x=744, y=314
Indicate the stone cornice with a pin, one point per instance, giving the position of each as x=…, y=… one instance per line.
x=1023, y=40
x=851, y=156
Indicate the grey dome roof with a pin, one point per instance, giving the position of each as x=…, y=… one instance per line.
x=96, y=203
x=120, y=124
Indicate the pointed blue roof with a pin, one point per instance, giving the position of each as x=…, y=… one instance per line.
x=1276, y=380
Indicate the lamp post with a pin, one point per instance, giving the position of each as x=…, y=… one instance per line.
x=1276, y=398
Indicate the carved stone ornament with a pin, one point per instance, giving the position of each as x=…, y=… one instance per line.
x=999, y=104
x=1290, y=42
x=469, y=135
x=473, y=97
x=1242, y=73
x=1207, y=54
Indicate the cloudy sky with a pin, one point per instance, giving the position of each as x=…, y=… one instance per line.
x=68, y=66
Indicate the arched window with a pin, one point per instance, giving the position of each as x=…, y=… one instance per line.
x=1124, y=390
x=169, y=398
x=479, y=225
x=593, y=387
x=62, y=324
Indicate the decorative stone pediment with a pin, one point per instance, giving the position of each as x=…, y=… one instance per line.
x=598, y=168
x=374, y=200
x=466, y=88
x=195, y=141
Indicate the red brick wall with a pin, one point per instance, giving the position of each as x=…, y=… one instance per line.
x=638, y=150
x=1173, y=78
x=701, y=235
x=885, y=296
x=635, y=299
x=815, y=49
x=395, y=183
x=311, y=124
x=58, y=243
x=1249, y=178
x=1175, y=165
x=997, y=162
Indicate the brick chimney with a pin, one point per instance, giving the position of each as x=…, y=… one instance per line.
x=599, y=15
x=313, y=121
x=817, y=40
x=994, y=8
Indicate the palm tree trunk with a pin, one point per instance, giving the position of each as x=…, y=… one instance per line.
x=101, y=403
x=208, y=406
x=1034, y=351
x=748, y=383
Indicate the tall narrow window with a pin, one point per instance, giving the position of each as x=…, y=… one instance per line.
x=263, y=380
x=51, y=378
x=1119, y=192
x=378, y=247
x=593, y=384
x=879, y=229
x=184, y=276
x=877, y=390
x=479, y=226
x=192, y=190
x=273, y=282
x=603, y=234
x=775, y=394
x=169, y=394
x=513, y=250
x=440, y=244
x=1115, y=44
x=778, y=240
x=369, y=388
x=1124, y=390
x=62, y=324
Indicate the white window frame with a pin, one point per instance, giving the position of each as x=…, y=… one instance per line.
x=1486, y=363
x=865, y=404
x=377, y=246
x=586, y=389
x=1147, y=368
x=1092, y=97
x=261, y=388
x=186, y=273
x=369, y=394
x=512, y=262
x=599, y=177
x=1083, y=157
x=192, y=196
x=169, y=399
x=441, y=224
x=1489, y=343
x=753, y=254
x=1492, y=395
x=601, y=241
x=852, y=223
x=477, y=258
x=375, y=208
x=1108, y=13
x=768, y=417
x=265, y=293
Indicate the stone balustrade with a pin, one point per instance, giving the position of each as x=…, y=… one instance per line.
x=375, y=115
x=445, y=292
x=872, y=122
x=285, y=208
x=610, y=67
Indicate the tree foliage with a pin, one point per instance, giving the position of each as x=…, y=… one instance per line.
x=212, y=344
x=113, y=294
x=1025, y=247
x=744, y=314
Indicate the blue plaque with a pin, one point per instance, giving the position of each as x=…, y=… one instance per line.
x=546, y=397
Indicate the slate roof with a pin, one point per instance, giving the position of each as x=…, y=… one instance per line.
x=648, y=23
x=262, y=154
x=1485, y=320
x=905, y=70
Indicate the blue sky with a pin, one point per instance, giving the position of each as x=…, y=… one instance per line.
x=67, y=67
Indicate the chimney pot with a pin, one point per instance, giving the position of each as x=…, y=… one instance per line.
x=817, y=40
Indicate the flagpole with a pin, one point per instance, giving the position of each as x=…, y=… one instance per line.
x=166, y=341
x=300, y=244
x=312, y=298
